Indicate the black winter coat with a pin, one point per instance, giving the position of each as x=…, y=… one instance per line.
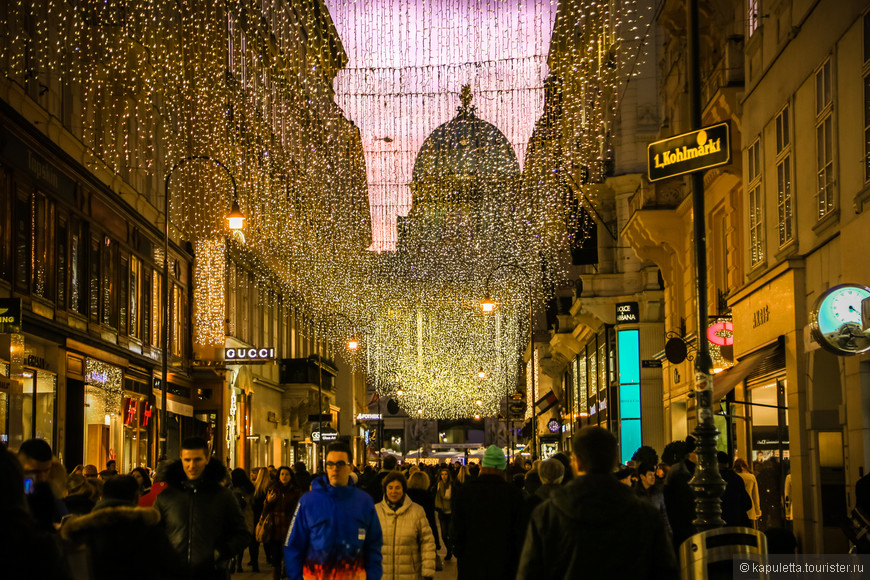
x=202, y=518
x=596, y=528
x=487, y=521
x=680, y=503
x=424, y=499
x=124, y=540
x=735, y=501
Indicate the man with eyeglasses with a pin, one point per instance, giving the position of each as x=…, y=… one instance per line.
x=335, y=531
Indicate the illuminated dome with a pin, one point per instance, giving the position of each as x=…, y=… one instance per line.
x=466, y=146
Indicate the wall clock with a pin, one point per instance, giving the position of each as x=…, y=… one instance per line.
x=835, y=320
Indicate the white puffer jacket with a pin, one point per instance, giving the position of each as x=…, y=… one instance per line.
x=409, y=546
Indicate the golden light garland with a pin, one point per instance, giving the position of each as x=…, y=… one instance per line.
x=148, y=82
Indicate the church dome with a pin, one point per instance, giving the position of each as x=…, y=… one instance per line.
x=466, y=146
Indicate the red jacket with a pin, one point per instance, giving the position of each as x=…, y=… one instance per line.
x=147, y=500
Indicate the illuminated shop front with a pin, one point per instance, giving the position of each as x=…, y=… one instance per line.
x=27, y=405
x=103, y=412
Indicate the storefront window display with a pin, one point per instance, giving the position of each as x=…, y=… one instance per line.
x=769, y=449
x=38, y=396
x=103, y=408
x=138, y=418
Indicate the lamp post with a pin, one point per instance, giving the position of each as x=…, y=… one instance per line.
x=707, y=483
x=352, y=344
x=488, y=306
x=235, y=221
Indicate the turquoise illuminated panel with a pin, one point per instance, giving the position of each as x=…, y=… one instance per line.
x=629, y=356
x=630, y=433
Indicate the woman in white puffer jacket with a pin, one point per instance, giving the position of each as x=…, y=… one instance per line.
x=409, y=546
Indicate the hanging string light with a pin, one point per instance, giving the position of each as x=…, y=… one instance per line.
x=323, y=137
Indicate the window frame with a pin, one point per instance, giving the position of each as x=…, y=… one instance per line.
x=785, y=206
x=755, y=201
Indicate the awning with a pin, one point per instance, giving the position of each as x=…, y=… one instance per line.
x=725, y=381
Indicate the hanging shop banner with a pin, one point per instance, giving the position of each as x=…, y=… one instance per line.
x=695, y=151
x=10, y=315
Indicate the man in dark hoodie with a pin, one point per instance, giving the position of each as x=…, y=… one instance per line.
x=201, y=517
x=123, y=538
x=594, y=522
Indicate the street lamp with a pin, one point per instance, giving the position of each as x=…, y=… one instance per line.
x=352, y=345
x=488, y=305
x=481, y=374
x=235, y=221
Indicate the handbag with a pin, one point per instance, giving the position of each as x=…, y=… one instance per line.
x=263, y=532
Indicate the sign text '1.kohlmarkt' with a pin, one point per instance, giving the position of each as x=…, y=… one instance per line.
x=695, y=151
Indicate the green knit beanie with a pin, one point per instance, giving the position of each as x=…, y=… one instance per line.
x=494, y=457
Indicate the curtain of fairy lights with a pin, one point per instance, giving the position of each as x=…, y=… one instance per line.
x=325, y=164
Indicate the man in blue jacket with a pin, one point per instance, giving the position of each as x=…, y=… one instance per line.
x=335, y=531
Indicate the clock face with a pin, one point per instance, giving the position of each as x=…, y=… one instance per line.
x=836, y=320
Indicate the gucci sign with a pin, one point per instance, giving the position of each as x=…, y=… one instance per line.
x=248, y=355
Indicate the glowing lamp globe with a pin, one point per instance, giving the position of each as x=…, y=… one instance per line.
x=236, y=219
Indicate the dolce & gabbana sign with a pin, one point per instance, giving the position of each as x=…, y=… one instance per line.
x=237, y=356
x=627, y=312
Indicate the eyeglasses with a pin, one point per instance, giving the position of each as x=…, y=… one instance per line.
x=335, y=464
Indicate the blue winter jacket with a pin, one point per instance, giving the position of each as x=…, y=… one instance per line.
x=335, y=534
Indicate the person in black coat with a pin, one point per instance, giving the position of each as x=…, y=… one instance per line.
x=735, y=501
x=418, y=492
x=201, y=517
x=679, y=497
x=123, y=538
x=487, y=523
x=301, y=476
x=591, y=526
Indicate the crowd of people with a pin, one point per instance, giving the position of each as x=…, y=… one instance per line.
x=192, y=518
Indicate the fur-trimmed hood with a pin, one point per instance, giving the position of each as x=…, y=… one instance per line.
x=213, y=474
x=110, y=516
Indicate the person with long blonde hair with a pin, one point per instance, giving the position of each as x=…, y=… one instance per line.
x=741, y=467
x=262, y=478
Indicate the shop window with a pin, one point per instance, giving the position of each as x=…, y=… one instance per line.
x=109, y=286
x=42, y=246
x=178, y=318
x=769, y=449
x=22, y=241
x=123, y=293
x=62, y=242
x=135, y=290
x=756, y=204
x=37, y=408
x=156, y=309
x=103, y=412
x=824, y=141
x=77, y=266
x=94, y=279
x=138, y=419
x=145, y=333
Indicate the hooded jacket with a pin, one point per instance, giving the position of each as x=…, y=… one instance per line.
x=334, y=533
x=202, y=518
x=409, y=546
x=585, y=529
x=123, y=539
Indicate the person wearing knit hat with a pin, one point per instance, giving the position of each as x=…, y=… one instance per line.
x=494, y=457
x=487, y=523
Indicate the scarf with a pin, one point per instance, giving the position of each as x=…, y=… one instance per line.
x=395, y=506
